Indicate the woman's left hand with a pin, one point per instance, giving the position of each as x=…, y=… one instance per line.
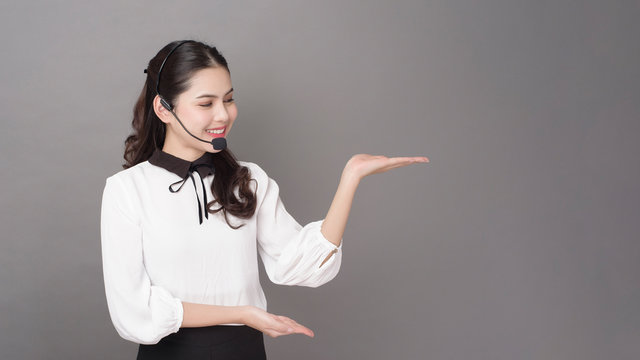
x=361, y=165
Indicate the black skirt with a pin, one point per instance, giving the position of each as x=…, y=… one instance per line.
x=224, y=342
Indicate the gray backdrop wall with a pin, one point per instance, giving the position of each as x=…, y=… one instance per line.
x=518, y=241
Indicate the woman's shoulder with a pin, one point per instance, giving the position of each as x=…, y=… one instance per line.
x=130, y=172
x=256, y=171
x=130, y=176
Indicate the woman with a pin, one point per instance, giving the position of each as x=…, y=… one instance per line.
x=180, y=270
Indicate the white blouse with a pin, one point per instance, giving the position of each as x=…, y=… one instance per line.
x=156, y=254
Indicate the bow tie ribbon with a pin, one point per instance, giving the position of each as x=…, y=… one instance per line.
x=193, y=168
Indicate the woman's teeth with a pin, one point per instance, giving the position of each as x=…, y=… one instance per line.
x=215, y=131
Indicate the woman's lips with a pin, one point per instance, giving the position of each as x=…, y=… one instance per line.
x=214, y=135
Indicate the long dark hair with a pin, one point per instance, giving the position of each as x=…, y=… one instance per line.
x=149, y=132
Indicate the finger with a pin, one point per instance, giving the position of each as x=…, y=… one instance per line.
x=404, y=161
x=300, y=329
x=389, y=167
x=398, y=164
x=286, y=323
x=410, y=159
x=387, y=164
x=297, y=328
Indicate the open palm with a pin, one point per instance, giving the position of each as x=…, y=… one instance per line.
x=362, y=165
x=275, y=325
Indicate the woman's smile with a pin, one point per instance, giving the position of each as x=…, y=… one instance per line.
x=216, y=132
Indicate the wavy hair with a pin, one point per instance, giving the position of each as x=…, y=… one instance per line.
x=149, y=132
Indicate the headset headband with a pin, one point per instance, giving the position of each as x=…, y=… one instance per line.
x=164, y=61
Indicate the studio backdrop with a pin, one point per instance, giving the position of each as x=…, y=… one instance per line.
x=519, y=240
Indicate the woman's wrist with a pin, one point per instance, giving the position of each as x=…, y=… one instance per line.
x=245, y=314
x=350, y=177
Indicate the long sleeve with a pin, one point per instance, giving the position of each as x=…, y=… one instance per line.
x=141, y=312
x=292, y=254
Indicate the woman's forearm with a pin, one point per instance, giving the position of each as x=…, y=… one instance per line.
x=336, y=220
x=198, y=315
x=358, y=167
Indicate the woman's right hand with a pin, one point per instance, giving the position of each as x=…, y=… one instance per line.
x=274, y=325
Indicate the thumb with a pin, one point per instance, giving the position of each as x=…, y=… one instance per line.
x=282, y=327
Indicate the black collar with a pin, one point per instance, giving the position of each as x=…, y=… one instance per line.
x=185, y=169
x=180, y=166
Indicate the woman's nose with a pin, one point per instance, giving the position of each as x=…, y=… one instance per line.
x=220, y=113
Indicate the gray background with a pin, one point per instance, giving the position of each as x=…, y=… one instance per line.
x=518, y=241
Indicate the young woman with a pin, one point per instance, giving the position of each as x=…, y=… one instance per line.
x=183, y=224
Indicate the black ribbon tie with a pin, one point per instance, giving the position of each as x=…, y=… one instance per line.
x=193, y=168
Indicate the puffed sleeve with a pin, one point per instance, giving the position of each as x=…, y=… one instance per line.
x=141, y=312
x=291, y=254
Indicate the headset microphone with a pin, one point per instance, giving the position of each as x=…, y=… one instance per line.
x=219, y=143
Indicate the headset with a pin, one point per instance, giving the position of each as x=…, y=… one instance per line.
x=219, y=143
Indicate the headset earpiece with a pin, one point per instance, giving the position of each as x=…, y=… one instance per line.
x=166, y=105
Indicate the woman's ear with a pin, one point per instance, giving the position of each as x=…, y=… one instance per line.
x=161, y=112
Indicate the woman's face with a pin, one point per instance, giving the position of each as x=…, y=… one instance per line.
x=206, y=109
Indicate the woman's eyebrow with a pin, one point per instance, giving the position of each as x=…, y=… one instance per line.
x=213, y=96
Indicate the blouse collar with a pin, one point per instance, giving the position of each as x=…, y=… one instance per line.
x=180, y=166
x=185, y=169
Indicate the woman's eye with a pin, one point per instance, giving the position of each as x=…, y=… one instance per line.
x=226, y=101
